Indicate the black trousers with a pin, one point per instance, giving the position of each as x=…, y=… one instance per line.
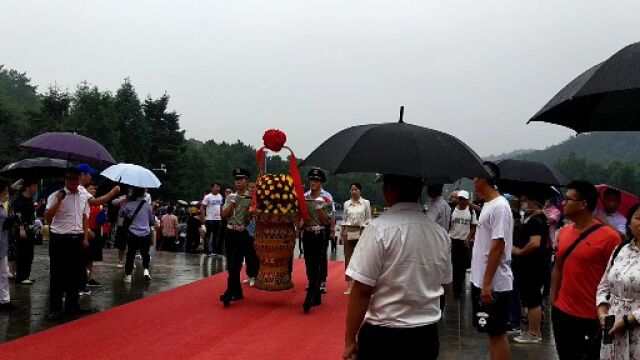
x=324, y=262
x=576, y=338
x=315, y=244
x=235, y=243
x=134, y=243
x=67, y=270
x=459, y=261
x=377, y=342
x=211, y=236
x=24, y=256
x=251, y=258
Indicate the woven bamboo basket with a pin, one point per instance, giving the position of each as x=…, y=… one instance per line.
x=275, y=240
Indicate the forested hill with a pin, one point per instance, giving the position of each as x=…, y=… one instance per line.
x=598, y=147
x=599, y=157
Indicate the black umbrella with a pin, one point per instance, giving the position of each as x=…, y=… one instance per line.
x=400, y=149
x=605, y=97
x=531, y=172
x=36, y=167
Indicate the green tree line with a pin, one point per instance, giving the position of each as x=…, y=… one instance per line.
x=141, y=131
x=621, y=174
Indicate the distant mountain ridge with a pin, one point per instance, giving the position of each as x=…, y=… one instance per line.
x=598, y=147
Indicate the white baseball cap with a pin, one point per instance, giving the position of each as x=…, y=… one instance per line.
x=463, y=194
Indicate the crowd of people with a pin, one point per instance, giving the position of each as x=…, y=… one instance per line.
x=518, y=252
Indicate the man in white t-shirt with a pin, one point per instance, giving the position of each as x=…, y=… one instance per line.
x=210, y=215
x=491, y=277
x=399, y=269
x=462, y=231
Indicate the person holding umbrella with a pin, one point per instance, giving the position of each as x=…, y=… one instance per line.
x=530, y=261
x=399, y=267
x=236, y=212
x=139, y=219
x=68, y=213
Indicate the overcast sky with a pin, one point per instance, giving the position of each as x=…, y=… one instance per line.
x=475, y=69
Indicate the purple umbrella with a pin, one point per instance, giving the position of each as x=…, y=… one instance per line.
x=69, y=146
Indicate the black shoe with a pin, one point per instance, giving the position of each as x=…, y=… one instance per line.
x=7, y=307
x=228, y=298
x=93, y=283
x=306, y=306
x=54, y=316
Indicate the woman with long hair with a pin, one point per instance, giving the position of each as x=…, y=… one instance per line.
x=357, y=215
x=619, y=295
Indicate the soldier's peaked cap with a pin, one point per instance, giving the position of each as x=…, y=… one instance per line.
x=240, y=172
x=317, y=174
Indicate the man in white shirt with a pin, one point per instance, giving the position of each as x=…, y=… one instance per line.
x=491, y=275
x=68, y=213
x=462, y=232
x=86, y=173
x=210, y=216
x=399, y=267
x=438, y=210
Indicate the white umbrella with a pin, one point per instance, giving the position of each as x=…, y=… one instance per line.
x=131, y=174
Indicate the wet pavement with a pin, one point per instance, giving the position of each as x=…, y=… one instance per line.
x=170, y=270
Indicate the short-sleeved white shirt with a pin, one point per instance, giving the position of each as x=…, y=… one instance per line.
x=461, y=221
x=406, y=258
x=213, y=204
x=68, y=219
x=495, y=222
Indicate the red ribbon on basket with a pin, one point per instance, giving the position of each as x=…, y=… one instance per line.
x=275, y=140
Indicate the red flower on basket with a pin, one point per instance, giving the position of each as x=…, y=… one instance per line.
x=274, y=139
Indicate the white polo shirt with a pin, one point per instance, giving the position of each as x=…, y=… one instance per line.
x=495, y=222
x=68, y=219
x=406, y=257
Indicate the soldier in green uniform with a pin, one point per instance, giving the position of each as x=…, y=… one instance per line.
x=236, y=212
x=314, y=237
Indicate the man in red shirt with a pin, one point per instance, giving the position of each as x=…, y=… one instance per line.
x=577, y=273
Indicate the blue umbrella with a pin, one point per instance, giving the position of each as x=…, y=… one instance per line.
x=131, y=174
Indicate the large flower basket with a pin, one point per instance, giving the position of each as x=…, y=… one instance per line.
x=276, y=207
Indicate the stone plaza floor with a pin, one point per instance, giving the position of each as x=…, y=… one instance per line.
x=169, y=270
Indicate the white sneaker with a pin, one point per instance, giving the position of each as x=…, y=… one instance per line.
x=246, y=281
x=120, y=265
x=147, y=276
x=252, y=282
x=127, y=279
x=528, y=338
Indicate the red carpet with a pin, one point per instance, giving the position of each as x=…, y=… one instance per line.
x=190, y=323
